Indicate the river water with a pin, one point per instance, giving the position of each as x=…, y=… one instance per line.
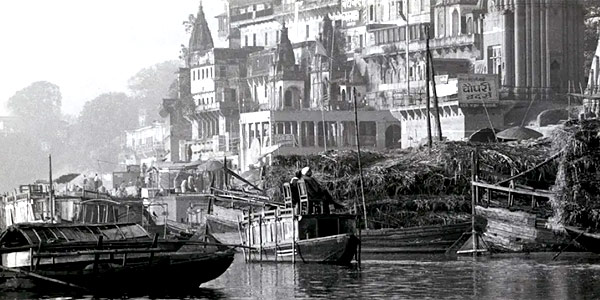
x=535, y=276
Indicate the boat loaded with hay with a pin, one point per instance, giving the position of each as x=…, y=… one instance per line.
x=524, y=190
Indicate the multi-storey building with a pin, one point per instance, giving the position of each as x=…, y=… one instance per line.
x=146, y=145
x=285, y=120
x=296, y=93
x=216, y=91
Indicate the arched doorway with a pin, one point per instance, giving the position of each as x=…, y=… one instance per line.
x=393, y=136
x=292, y=97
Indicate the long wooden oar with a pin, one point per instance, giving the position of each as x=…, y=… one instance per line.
x=565, y=248
x=42, y=277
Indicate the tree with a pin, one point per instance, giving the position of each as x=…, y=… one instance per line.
x=39, y=99
x=40, y=130
x=150, y=85
x=100, y=129
x=38, y=111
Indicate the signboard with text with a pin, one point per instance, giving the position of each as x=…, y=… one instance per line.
x=477, y=88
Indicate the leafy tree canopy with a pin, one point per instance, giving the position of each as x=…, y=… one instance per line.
x=150, y=85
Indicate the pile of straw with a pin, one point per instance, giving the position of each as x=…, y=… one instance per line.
x=577, y=200
x=442, y=174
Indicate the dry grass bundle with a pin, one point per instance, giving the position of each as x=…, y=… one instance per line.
x=443, y=171
x=577, y=200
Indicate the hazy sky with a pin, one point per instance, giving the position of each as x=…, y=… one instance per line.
x=88, y=47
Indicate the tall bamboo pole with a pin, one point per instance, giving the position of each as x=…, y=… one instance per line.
x=51, y=189
x=438, y=122
x=429, y=140
x=362, y=187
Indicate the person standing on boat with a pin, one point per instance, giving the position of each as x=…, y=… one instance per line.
x=316, y=193
x=96, y=182
x=294, y=188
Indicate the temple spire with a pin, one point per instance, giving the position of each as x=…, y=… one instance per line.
x=201, y=38
x=285, y=51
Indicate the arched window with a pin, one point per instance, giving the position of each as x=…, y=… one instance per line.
x=344, y=95
x=371, y=13
x=441, y=31
x=280, y=95
x=288, y=98
x=455, y=23
x=469, y=25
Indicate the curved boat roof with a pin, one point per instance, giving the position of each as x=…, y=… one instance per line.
x=35, y=233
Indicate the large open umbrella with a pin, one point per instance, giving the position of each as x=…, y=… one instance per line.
x=518, y=133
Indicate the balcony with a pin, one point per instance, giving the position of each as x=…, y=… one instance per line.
x=420, y=45
x=252, y=15
x=455, y=41
x=225, y=100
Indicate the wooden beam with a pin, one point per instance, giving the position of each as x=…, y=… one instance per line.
x=539, y=193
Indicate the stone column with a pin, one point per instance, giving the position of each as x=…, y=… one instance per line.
x=338, y=133
x=528, y=41
x=580, y=36
x=262, y=133
x=316, y=130
x=543, y=50
x=299, y=133
x=547, y=35
x=535, y=47
x=566, y=65
x=520, y=50
x=508, y=51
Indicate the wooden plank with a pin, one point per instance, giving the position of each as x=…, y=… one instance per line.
x=538, y=193
x=42, y=277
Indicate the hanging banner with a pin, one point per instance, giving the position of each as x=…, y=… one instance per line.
x=475, y=88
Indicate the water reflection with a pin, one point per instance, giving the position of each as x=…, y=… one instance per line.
x=419, y=277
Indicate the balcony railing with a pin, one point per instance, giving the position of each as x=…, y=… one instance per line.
x=252, y=15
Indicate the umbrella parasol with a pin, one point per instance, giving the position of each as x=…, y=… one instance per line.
x=518, y=133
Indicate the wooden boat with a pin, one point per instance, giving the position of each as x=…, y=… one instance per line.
x=117, y=257
x=588, y=240
x=514, y=218
x=283, y=234
x=412, y=240
x=279, y=235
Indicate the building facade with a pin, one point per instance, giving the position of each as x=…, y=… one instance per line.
x=294, y=68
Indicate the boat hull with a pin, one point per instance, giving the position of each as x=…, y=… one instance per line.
x=337, y=249
x=589, y=241
x=505, y=230
x=412, y=240
x=181, y=271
